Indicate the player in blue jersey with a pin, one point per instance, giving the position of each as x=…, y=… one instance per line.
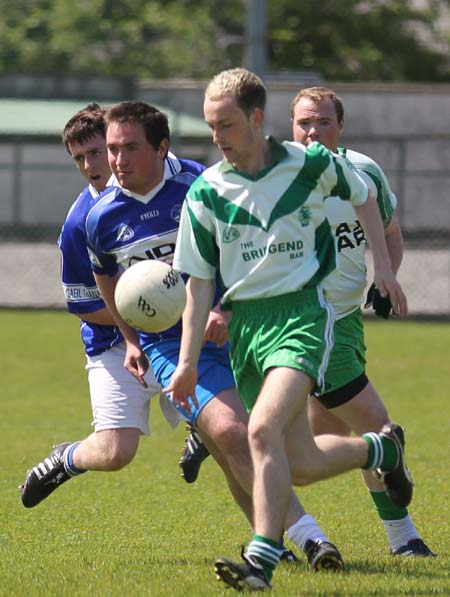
x=258, y=218
x=139, y=221
x=120, y=404
x=351, y=403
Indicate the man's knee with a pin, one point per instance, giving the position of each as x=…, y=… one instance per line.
x=231, y=436
x=118, y=447
x=262, y=435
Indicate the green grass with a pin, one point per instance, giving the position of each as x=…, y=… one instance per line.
x=143, y=531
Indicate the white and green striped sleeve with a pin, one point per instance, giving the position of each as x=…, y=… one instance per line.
x=350, y=186
x=196, y=251
x=375, y=179
x=386, y=200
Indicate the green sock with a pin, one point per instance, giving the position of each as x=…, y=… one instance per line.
x=385, y=508
x=267, y=552
x=382, y=452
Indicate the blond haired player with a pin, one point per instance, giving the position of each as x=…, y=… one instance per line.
x=258, y=218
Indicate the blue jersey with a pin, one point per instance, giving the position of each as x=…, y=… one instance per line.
x=80, y=290
x=124, y=228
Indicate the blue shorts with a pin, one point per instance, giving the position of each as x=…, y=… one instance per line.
x=214, y=372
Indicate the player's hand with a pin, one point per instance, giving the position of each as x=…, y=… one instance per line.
x=381, y=305
x=389, y=288
x=136, y=363
x=216, y=329
x=182, y=386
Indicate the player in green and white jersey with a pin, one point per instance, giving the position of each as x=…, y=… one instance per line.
x=350, y=402
x=258, y=217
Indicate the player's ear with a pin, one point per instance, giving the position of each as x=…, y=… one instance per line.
x=257, y=117
x=163, y=148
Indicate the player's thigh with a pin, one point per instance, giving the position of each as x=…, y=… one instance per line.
x=365, y=412
x=223, y=421
x=224, y=410
x=118, y=399
x=323, y=420
x=282, y=397
x=214, y=373
x=301, y=449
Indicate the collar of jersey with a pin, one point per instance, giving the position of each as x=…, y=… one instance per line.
x=278, y=154
x=172, y=167
x=93, y=191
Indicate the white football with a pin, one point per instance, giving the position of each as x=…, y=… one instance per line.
x=150, y=296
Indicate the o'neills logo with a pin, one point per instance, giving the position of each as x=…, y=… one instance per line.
x=230, y=234
x=294, y=248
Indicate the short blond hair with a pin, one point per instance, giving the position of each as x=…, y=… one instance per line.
x=316, y=95
x=247, y=87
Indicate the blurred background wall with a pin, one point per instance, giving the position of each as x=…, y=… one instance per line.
x=389, y=62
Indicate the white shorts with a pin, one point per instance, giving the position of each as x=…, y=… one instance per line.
x=118, y=400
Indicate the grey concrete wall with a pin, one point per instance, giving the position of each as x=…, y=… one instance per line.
x=405, y=128
x=372, y=109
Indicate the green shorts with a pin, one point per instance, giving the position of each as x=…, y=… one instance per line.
x=292, y=330
x=347, y=362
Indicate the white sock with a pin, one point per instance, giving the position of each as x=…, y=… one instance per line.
x=399, y=532
x=69, y=464
x=305, y=528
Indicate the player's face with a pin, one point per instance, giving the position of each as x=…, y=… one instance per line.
x=234, y=133
x=316, y=121
x=91, y=159
x=137, y=165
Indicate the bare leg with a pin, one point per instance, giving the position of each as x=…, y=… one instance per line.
x=108, y=450
x=365, y=412
x=222, y=425
x=268, y=425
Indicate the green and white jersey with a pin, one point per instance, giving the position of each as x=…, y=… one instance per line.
x=268, y=234
x=344, y=287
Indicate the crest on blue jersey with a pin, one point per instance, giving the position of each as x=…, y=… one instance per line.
x=125, y=232
x=175, y=212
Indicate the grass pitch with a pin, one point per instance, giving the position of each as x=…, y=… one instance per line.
x=144, y=531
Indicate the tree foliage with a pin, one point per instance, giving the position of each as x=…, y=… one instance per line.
x=359, y=40
x=343, y=39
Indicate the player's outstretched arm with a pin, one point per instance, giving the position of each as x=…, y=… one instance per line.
x=385, y=280
x=200, y=296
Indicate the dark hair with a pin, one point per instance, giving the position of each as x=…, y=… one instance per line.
x=84, y=125
x=155, y=123
x=317, y=94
